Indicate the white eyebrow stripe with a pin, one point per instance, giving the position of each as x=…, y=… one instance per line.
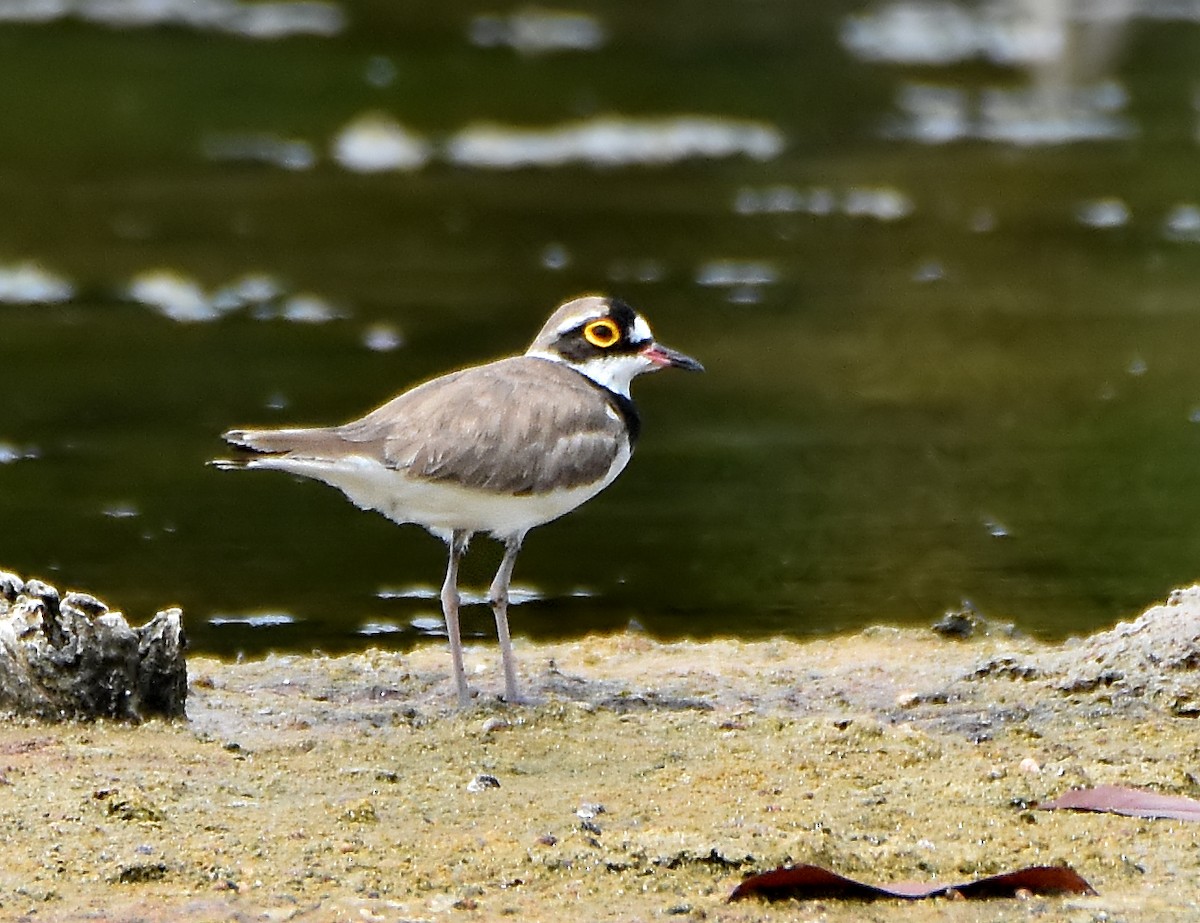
x=639, y=333
x=575, y=320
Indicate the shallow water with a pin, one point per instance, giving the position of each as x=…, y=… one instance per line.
x=942, y=272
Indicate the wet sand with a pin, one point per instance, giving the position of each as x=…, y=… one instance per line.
x=643, y=781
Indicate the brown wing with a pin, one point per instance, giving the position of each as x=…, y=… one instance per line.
x=520, y=425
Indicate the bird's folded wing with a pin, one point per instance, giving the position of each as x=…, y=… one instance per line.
x=518, y=426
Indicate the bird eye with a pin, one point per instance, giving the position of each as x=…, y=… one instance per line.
x=602, y=333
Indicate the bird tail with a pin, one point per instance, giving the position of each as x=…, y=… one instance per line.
x=259, y=444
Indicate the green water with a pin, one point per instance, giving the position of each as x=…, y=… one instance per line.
x=987, y=399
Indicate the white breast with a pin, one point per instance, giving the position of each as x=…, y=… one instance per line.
x=439, y=506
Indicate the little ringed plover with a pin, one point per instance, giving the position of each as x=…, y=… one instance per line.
x=496, y=448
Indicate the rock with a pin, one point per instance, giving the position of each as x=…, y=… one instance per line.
x=10, y=586
x=140, y=872
x=70, y=658
x=958, y=623
x=1157, y=654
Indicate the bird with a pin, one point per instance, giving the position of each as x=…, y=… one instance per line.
x=497, y=448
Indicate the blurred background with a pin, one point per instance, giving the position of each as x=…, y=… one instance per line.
x=941, y=259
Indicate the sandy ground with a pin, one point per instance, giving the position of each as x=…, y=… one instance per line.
x=643, y=782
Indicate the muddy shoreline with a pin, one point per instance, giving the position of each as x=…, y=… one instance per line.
x=643, y=781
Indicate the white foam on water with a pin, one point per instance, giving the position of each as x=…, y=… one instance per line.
x=555, y=256
x=173, y=295
x=1103, y=213
x=612, y=141
x=181, y=298
x=882, y=203
x=538, y=31
x=263, y=20
x=729, y=273
x=428, y=625
x=517, y=595
x=11, y=452
x=257, y=620
x=287, y=153
x=308, y=309
x=939, y=33
x=377, y=143
x=1182, y=223
x=382, y=338
x=374, y=629
x=250, y=290
x=29, y=283
x=931, y=114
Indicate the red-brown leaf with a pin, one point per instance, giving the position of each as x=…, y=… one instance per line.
x=1116, y=799
x=1036, y=879
x=809, y=882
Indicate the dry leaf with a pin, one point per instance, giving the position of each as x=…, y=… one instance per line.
x=1116, y=799
x=809, y=882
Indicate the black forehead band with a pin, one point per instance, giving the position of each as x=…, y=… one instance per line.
x=622, y=313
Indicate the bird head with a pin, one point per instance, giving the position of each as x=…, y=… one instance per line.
x=606, y=340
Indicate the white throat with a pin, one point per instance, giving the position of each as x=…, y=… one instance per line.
x=612, y=372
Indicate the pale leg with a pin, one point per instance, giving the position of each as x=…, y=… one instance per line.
x=450, y=600
x=498, y=597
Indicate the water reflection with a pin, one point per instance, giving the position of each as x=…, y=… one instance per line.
x=1067, y=50
x=261, y=20
x=376, y=142
x=538, y=31
x=264, y=297
x=613, y=142
x=260, y=148
x=29, y=283
x=939, y=370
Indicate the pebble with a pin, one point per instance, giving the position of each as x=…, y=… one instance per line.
x=494, y=724
x=908, y=699
x=589, y=809
x=481, y=782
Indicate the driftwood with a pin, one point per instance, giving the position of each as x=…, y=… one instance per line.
x=70, y=658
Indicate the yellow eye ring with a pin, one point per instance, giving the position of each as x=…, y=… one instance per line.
x=602, y=333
